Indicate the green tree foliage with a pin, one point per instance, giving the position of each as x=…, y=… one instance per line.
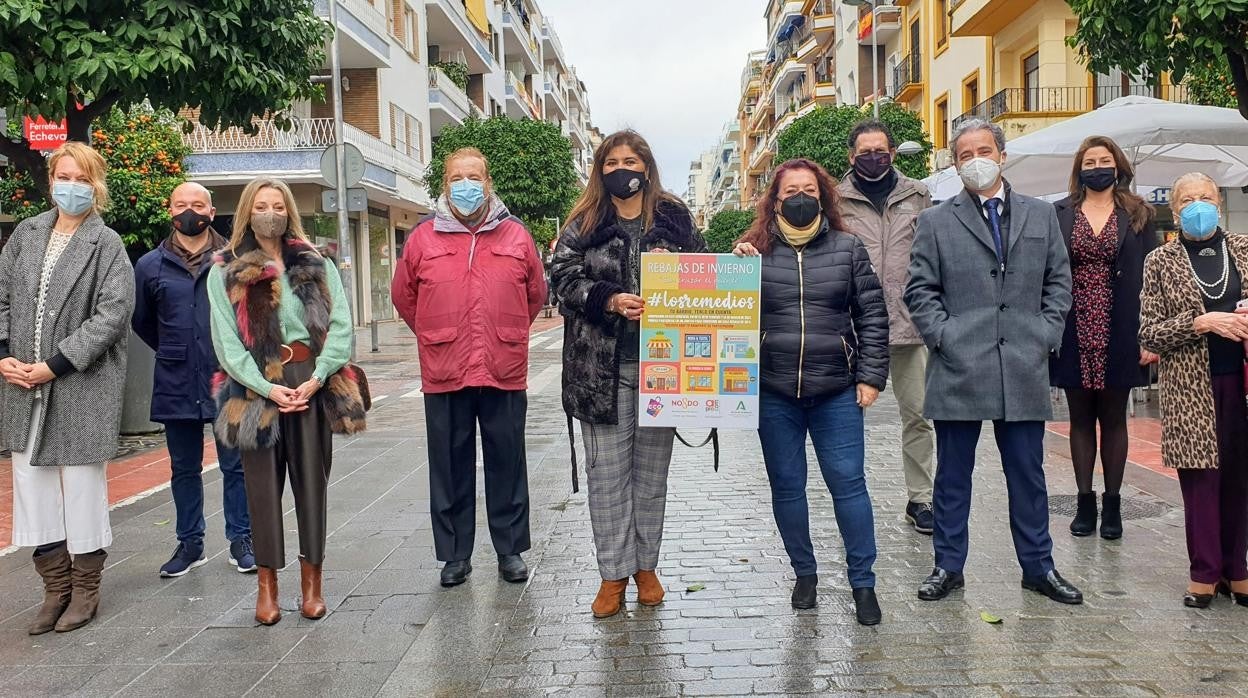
x=531, y=164
x=231, y=59
x=823, y=136
x=1159, y=36
x=144, y=152
x=726, y=228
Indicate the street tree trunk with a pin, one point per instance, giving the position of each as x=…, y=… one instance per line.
x=1239, y=77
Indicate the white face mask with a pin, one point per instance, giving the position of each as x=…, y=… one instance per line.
x=980, y=173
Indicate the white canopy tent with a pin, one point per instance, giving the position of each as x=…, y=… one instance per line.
x=1163, y=139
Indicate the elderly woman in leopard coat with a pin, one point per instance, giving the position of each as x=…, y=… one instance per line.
x=1191, y=288
x=597, y=274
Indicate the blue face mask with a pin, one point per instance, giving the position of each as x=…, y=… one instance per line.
x=74, y=198
x=1199, y=220
x=467, y=196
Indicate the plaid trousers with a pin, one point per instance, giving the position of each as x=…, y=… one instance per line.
x=627, y=476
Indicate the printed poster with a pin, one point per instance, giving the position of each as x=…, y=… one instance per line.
x=700, y=340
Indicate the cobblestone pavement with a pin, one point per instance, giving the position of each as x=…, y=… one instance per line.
x=393, y=631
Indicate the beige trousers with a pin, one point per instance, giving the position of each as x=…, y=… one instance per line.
x=908, y=371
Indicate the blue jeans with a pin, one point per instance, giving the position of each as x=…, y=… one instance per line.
x=835, y=425
x=185, y=439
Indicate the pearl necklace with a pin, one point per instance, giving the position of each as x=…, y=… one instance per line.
x=1224, y=281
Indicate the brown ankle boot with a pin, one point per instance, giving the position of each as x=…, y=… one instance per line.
x=313, y=605
x=84, y=601
x=610, y=597
x=54, y=567
x=649, y=589
x=268, y=611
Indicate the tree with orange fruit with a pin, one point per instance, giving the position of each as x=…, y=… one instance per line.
x=144, y=152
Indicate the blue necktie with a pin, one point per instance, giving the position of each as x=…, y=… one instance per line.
x=993, y=206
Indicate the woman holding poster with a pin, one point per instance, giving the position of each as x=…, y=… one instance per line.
x=824, y=360
x=597, y=277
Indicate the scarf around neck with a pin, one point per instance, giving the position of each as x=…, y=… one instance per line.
x=798, y=237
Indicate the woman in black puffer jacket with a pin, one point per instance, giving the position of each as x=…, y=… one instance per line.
x=824, y=360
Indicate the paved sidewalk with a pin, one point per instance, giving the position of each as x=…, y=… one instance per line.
x=393, y=631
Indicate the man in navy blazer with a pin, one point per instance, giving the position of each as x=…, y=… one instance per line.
x=989, y=291
x=171, y=316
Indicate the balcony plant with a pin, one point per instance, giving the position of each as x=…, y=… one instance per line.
x=456, y=72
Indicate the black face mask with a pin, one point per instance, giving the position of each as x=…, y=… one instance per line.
x=800, y=210
x=1098, y=178
x=191, y=223
x=624, y=184
x=873, y=166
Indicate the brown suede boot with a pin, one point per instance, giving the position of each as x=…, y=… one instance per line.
x=54, y=567
x=84, y=601
x=649, y=589
x=313, y=605
x=268, y=611
x=610, y=597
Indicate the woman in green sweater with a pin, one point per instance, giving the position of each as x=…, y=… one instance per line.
x=282, y=329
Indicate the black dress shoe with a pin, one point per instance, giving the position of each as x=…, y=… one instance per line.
x=512, y=568
x=939, y=583
x=866, y=607
x=804, y=591
x=1053, y=586
x=456, y=572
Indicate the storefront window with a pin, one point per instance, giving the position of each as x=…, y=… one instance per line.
x=381, y=259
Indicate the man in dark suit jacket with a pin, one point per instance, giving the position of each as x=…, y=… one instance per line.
x=989, y=291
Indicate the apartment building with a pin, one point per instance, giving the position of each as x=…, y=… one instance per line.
x=410, y=69
x=696, y=194
x=382, y=52
x=503, y=57
x=1036, y=79
x=787, y=80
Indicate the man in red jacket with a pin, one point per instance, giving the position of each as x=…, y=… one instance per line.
x=470, y=284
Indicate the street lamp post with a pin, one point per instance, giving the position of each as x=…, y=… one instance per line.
x=346, y=267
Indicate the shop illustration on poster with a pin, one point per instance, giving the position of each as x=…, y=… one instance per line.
x=700, y=341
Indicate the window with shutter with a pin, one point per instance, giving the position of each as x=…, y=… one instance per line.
x=413, y=34
x=397, y=16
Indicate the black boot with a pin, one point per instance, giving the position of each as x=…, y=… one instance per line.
x=805, y=591
x=1111, y=516
x=1084, y=523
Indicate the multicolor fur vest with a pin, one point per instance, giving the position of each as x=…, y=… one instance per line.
x=249, y=421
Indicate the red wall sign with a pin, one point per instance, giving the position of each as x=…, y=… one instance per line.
x=44, y=135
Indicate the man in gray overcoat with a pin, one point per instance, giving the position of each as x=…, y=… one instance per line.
x=989, y=291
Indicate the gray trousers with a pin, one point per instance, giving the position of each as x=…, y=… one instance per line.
x=627, y=474
x=908, y=373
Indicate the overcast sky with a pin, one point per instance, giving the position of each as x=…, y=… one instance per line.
x=671, y=69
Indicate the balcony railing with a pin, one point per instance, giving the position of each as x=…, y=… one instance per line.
x=306, y=134
x=1064, y=100
x=908, y=72
x=370, y=16
x=448, y=92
